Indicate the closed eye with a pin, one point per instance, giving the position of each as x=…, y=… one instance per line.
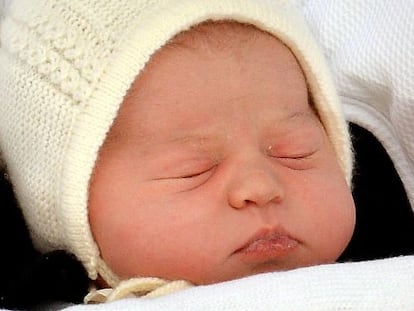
x=183, y=182
x=191, y=181
x=298, y=161
x=195, y=174
x=295, y=157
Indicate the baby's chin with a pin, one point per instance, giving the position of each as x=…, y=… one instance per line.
x=264, y=267
x=268, y=267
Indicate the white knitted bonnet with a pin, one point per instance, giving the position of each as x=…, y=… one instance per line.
x=65, y=67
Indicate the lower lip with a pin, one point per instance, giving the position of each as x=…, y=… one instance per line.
x=268, y=248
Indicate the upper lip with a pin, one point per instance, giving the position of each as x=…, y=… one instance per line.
x=276, y=237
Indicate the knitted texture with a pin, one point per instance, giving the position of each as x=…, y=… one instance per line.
x=370, y=47
x=65, y=68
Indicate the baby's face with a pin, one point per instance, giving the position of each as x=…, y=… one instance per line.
x=217, y=168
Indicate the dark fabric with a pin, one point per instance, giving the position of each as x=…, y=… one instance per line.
x=385, y=221
x=27, y=278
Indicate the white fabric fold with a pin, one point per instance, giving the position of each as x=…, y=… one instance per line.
x=372, y=285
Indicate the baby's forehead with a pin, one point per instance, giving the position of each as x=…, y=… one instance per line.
x=213, y=40
x=225, y=38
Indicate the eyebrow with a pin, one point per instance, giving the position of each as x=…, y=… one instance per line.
x=294, y=120
x=295, y=115
x=203, y=138
x=209, y=139
x=194, y=138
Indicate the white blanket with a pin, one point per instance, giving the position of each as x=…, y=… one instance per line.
x=376, y=285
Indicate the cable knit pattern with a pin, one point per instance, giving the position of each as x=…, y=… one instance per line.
x=65, y=68
x=56, y=50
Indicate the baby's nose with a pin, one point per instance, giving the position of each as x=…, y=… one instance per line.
x=256, y=186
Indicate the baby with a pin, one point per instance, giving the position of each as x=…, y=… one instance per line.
x=192, y=140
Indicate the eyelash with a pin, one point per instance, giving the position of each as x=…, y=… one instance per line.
x=198, y=174
x=187, y=182
x=193, y=175
x=296, y=157
x=297, y=162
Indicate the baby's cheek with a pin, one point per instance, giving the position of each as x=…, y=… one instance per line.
x=342, y=228
x=349, y=220
x=340, y=210
x=329, y=220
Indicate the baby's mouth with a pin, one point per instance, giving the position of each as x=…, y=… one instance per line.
x=267, y=245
